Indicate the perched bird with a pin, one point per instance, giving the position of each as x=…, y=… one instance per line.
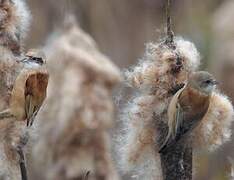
x=188, y=106
x=29, y=89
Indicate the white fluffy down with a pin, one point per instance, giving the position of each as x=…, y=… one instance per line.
x=189, y=50
x=24, y=16
x=215, y=128
x=153, y=78
x=154, y=64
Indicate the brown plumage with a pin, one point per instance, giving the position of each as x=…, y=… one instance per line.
x=29, y=90
x=188, y=106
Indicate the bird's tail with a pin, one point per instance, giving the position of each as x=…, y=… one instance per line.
x=165, y=144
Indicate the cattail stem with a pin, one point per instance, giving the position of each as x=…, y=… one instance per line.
x=170, y=34
x=176, y=161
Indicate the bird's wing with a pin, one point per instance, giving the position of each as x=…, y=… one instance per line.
x=174, y=129
x=29, y=108
x=174, y=109
x=36, y=110
x=175, y=116
x=178, y=120
x=183, y=119
x=35, y=93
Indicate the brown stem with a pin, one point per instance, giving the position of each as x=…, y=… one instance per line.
x=176, y=161
x=170, y=34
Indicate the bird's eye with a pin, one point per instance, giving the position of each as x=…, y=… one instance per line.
x=208, y=81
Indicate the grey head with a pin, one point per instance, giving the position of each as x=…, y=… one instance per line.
x=202, y=81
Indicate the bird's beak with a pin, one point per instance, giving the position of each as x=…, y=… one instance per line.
x=214, y=82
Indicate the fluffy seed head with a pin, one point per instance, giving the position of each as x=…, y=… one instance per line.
x=14, y=20
x=215, y=127
x=155, y=77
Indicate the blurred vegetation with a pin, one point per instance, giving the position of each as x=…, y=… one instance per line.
x=122, y=27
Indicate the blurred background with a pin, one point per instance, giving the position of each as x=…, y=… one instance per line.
x=122, y=27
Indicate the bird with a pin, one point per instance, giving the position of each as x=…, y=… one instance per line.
x=29, y=90
x=188, y=106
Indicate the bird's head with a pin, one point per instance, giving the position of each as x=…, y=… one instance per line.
x=203, y=82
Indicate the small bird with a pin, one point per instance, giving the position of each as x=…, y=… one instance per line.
x=29, y=90
x=188, y=106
